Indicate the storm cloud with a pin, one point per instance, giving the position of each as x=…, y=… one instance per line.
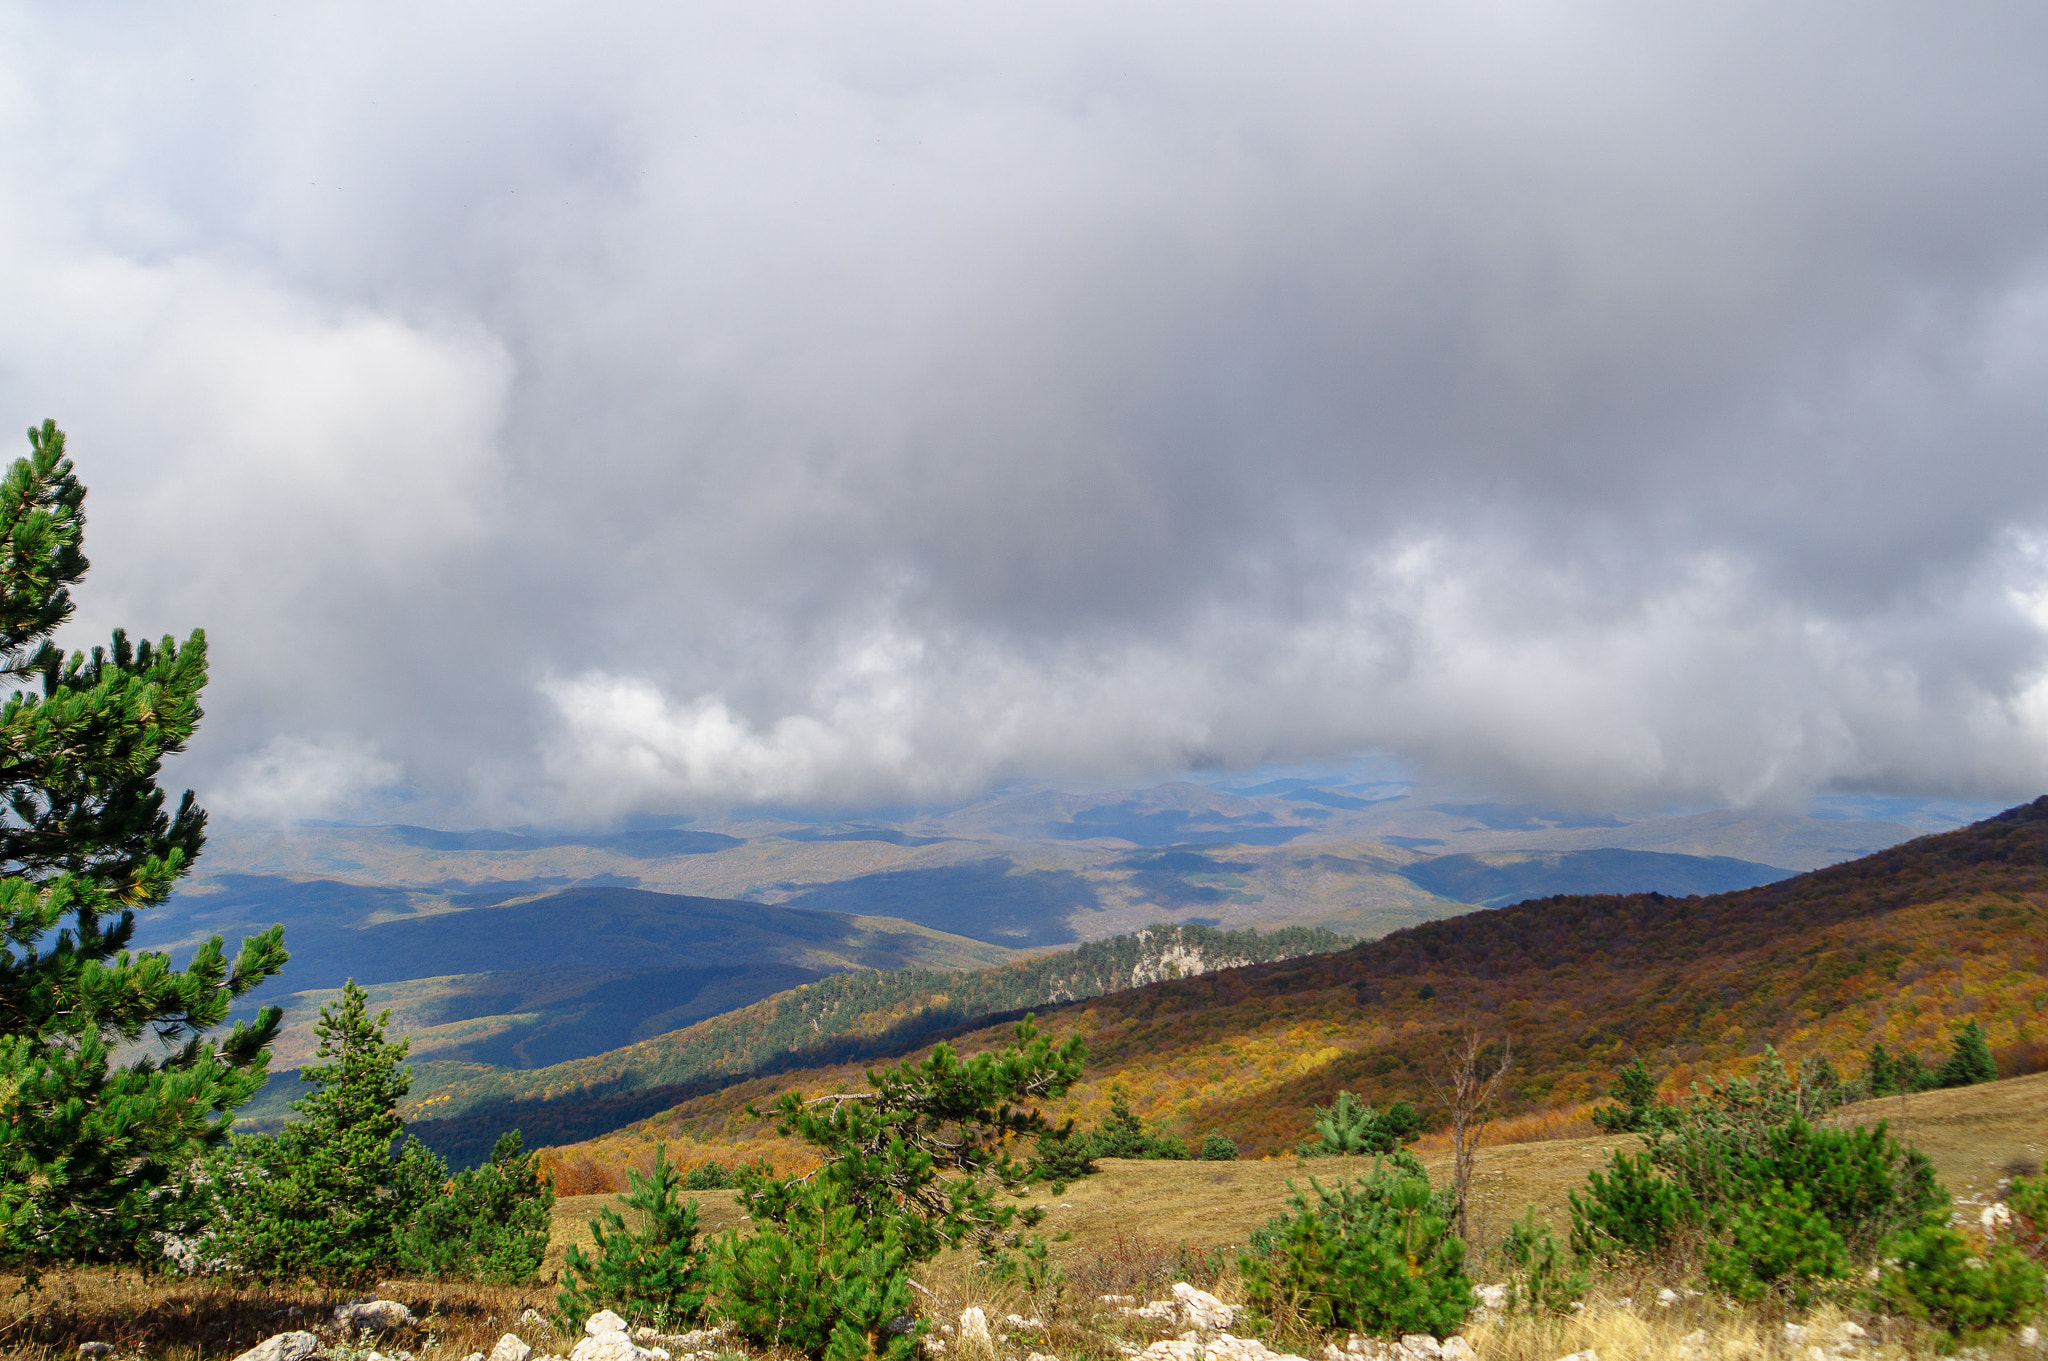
x=552, y=412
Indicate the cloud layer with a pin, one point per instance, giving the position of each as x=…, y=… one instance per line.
x=552, y=414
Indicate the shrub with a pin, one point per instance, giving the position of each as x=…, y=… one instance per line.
x=1376, y=1256
x=1629, y=1210
x=1348, y=1125
x=710, y=1176
x=1217, y=1148
x=817, y=1279
x=1065, y=1156
x=651, y=1273
x=1777, y=1243
x=1636, y=1106
x=1942, y=1279
x=1539, y=1282
x=2027, y=1198
x=491, y=1225
x=1970, y=1061
x=1123, y=1135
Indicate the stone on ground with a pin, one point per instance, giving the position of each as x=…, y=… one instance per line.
x=511, y=1348
x=283, y=1347
x=376, y=1315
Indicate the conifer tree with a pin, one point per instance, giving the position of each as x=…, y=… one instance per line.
x=86, y=843
x=1971, y=1061
x=330, y=1197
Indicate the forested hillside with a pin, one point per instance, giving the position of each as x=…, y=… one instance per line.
x=1899, y=947
x=461, y=1108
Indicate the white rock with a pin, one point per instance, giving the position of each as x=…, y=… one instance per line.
x=1848, y=1329
x=1200, y=1309
x=602, y=1322
x=2030, y=1336
x=935, y=1345
x=476, y=1356
x=510, y=1348
x=1041, y=1356
x=1421, y=1347
x=607, y=1347
x=1493, y=1296
x=93, y=1351
x=1795, y=1333
x=1816, y=1354
x=1666, y=1298
x=1996, y=1216
x=283, y=1347
x=1696, y=1338
x=1458, y=1349
x=534, y=1318
x=1119, y=1299
x=1332, y=1352
x=378, y=1315
x=1174, y=1349
x=1159, y=1311
x=1020, y=1324
x=974, y=1334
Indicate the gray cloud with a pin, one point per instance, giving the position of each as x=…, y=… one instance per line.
x=556, y=413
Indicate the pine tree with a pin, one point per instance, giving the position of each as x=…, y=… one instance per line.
x=1970, y=1062
x=331, y=1196
x=89, y=1151
x=492, y=1225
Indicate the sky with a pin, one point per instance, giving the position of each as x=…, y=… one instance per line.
x=558, y=412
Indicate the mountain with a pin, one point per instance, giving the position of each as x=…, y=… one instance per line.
x=537, y=977
x=1897, y=947
x=461, y=1108
x=1496, y=878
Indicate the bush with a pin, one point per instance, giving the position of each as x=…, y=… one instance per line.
x=710, y=1176
x=1777, y=1243
x=1377, y=1257
x=651, y=1273
x=815, y=1279
x=2027, y=1198
x=1123, y=1135
x=491, y=1225
x=1217, y=1149
x=1539, y=1281
x=1636, y=1107
x=1350, y=1126
x=1629, y=1210
x=1941, y=1278
x=1064, y=1156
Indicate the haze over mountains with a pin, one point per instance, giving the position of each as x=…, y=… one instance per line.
x=522, y=948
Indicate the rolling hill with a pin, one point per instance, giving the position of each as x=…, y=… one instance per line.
x=1897, y=947
x=461, y=1108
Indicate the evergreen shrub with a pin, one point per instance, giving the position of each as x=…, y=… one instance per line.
x=1373, y=1256
x=490, y=1225
x=1217, y=1148
x=1777, y=1243
x=1943, y=1278
x=649, y=1273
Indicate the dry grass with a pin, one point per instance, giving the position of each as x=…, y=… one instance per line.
x=1133, y=1229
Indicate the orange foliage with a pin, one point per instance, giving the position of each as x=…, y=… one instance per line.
x=1899, y=947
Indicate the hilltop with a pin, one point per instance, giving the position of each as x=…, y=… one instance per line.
x=461, y=1108
x=1896, y=947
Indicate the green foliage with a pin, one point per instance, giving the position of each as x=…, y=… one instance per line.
x=2027, y=1198
x=1350, y=1126
x=1940, y=1277
x=1970, y=1062
x=1629, y=1210
x=1636, y=1107
x=490, y=1225
x=330, y=1197
x=649, y=1273
x=1777, y=1243
x=1064, y=1156
x=911, y=1168
x=1375, y=1256
x=711, y=1176
x=1539, y=1282
x=1123, y=1135
x=1217, y=1148
x=819, y=1278
x=91, y=1156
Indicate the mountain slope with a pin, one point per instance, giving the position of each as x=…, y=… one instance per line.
x=1899, y=947
x=461, y=1109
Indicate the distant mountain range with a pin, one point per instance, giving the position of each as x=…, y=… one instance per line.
x=1898, y=947
x=523, y=948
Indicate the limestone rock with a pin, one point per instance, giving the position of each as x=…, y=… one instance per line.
x=1848, y=1330
x=1421, y=1347
x=607, y=1347
x=476, y=1356
x=602, y=1322
x=1666, y=1298
x=975, y=1339
x=511, y=1348
x=2030, y=1336
x=1458, y=1349
x=1493, y=1296
x=1795, y=1333
x=1200, y=1309
x=376, y=1315
x=283, y=1347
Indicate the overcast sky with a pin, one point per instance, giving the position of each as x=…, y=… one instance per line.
x=552, y=412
